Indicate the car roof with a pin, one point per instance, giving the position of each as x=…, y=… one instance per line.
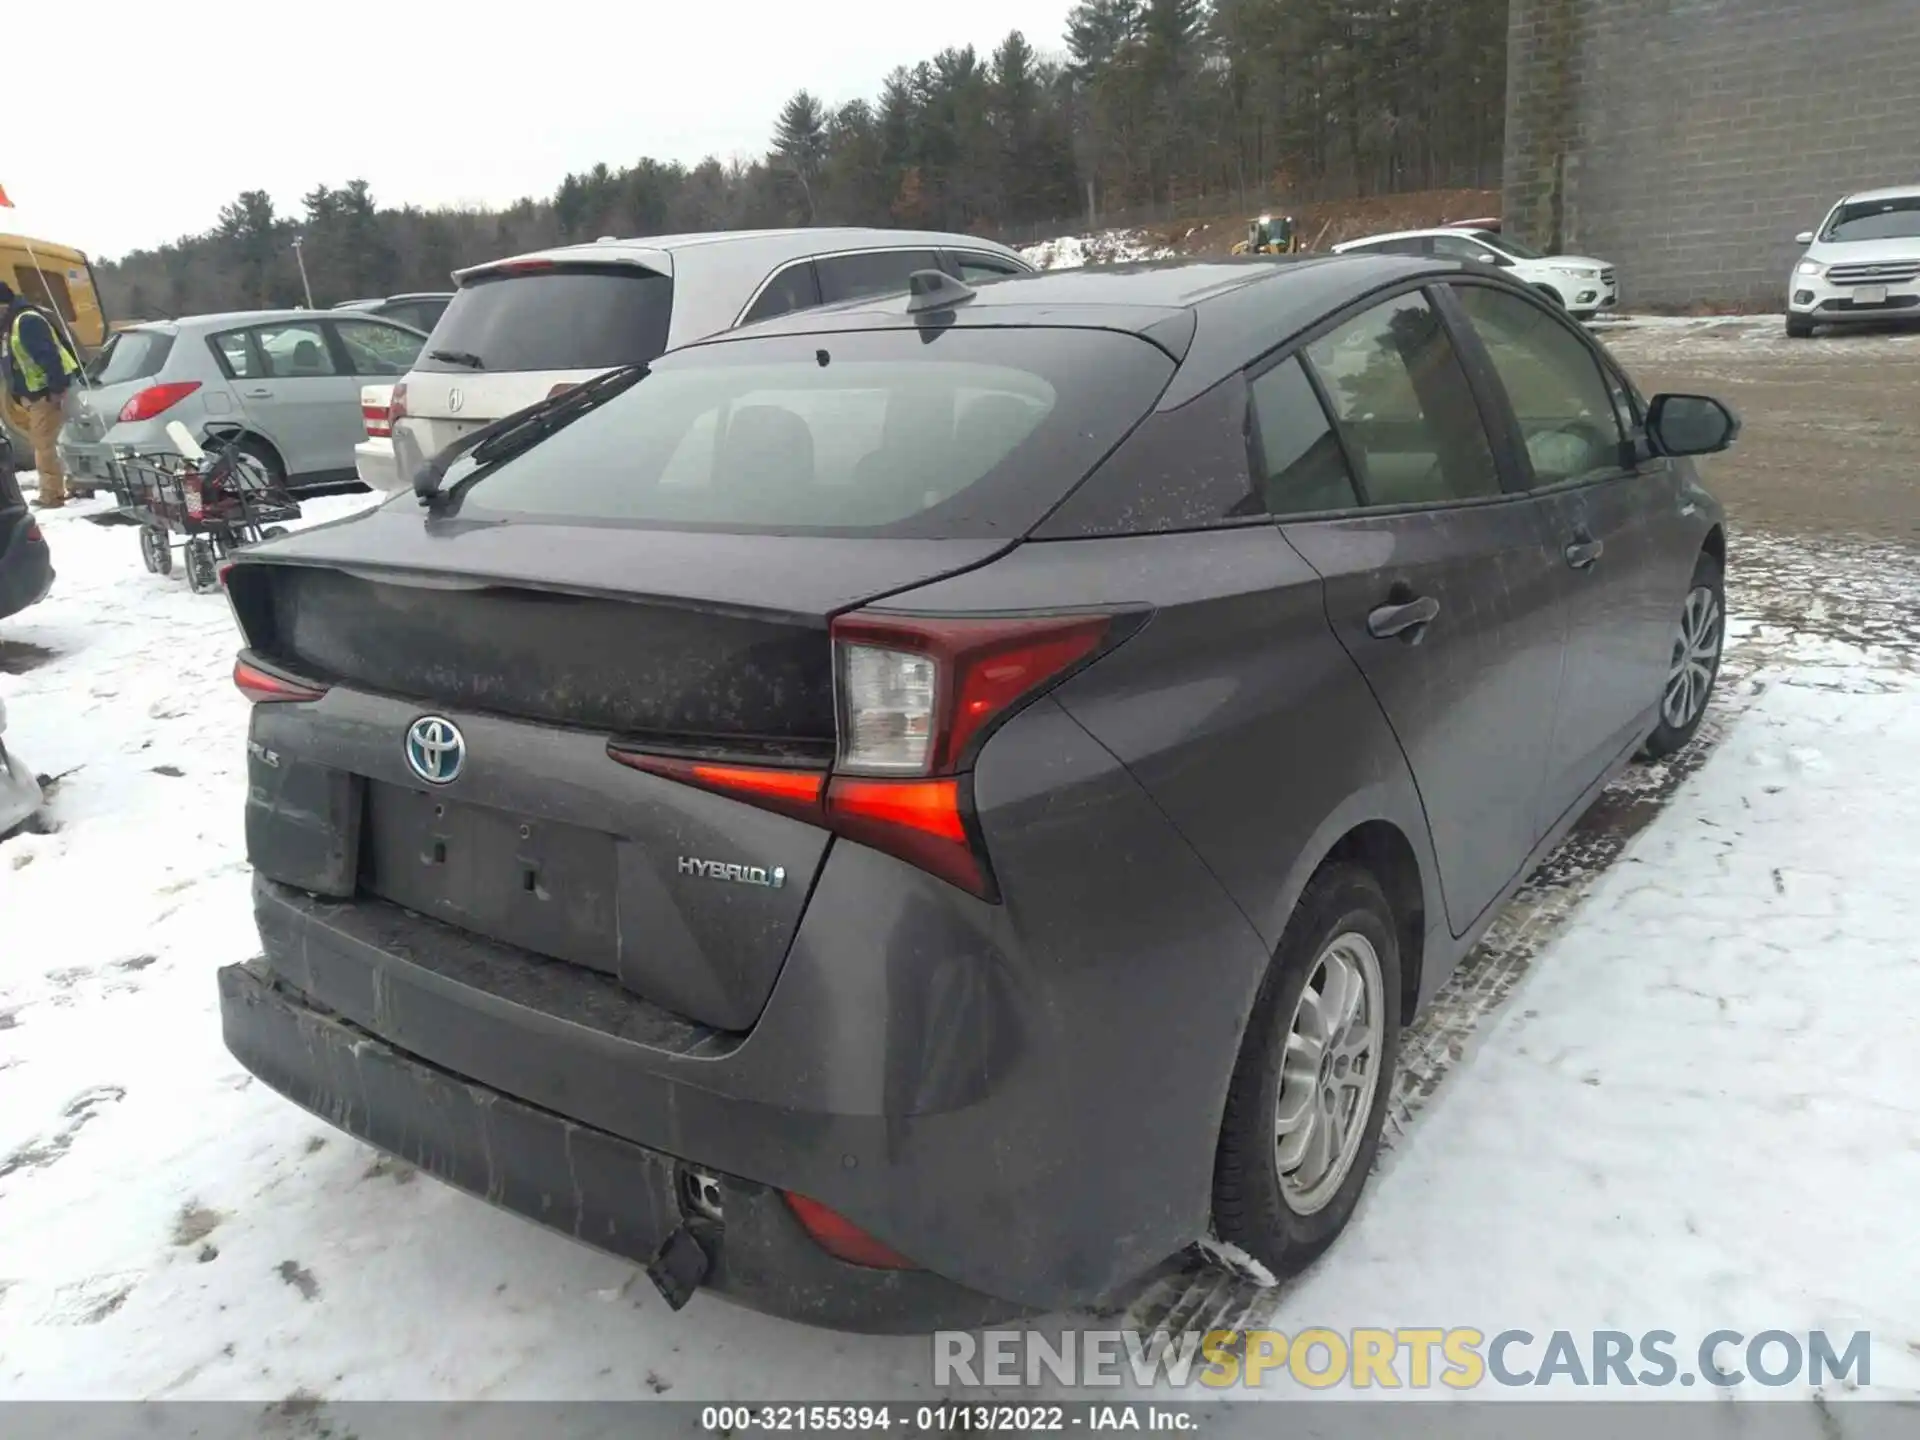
x=226, y=318
x=1213, y=315
x=1416, y=234
x=659, y=251
x=1893, y=192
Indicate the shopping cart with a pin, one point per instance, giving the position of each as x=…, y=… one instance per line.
x=214, y=503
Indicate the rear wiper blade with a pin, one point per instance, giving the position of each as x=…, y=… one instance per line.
x=459, y=357
x=525, y=428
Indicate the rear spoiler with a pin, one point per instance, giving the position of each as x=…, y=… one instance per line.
x=653, y=262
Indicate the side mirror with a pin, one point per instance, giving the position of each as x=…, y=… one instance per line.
x=1691, y=425
x=1805, y=237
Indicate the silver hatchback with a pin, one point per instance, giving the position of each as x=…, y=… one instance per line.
x=286, y=382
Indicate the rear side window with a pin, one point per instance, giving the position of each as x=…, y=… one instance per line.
x=794, y=288
x=1404, y=406
x=972, y=433
x=564, y=318
x=1302, y=467
x=983, y=267
x=875, y=272
x=131, y=355
x=376, y=349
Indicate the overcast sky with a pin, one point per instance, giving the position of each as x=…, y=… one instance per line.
x=129, y=126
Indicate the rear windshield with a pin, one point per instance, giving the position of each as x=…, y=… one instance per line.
x=557, y=319
x=130, y=355
x=955, y=434
x=1876, y=220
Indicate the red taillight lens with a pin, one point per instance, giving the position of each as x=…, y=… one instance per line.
x=920, y=821
x=791, y=792
x=377, y=421
x=397, y=406
x=261, y=686
x=157, y=399
x=843, y=1239
x=33, y=529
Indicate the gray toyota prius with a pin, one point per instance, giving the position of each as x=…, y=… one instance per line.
x=917, y=811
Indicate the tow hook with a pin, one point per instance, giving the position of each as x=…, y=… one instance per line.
x=678, y=1267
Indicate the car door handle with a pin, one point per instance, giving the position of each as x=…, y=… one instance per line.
x=1582, y=554
x=263, y=393
x=1408, y=620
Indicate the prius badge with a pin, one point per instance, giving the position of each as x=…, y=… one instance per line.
x=766, y=878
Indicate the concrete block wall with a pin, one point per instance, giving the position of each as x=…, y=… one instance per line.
x=1689, y=140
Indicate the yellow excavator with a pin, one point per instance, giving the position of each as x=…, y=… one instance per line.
x=1270, y=236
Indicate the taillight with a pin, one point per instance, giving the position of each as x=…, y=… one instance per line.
x=157, y=399
x=843, y=1239
x=260, y=685
x=918, y=698
x=33, y=530
x=377, y=420
x=396, y=406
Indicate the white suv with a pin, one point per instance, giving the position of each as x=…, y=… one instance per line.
x=1863, y=264
x=1585, y=287
x=517, y=330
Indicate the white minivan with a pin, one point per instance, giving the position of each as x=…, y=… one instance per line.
x=519, y=329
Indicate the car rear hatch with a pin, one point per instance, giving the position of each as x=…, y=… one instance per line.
x=515, y=331
x=655, y=582
x=131, y=363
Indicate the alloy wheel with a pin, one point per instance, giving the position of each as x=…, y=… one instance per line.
x=1329, y=1072
x=1696, y=655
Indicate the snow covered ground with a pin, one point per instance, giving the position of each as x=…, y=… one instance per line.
x=1105, y=247
x=1693, y=1107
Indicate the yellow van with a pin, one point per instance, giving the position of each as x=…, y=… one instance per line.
x=59, y=280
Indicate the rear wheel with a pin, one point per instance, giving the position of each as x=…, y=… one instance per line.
x=1694, y=662
x=1310, y=1091
x=155, y=553
x=257, y=465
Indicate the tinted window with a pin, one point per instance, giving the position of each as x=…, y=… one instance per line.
x=1302, y=464
x=794, y=288
x=984, y=267
x=977, y=433
x=1404, y=406
x=1412, y=245
x=375, y=349
x=1876, y=220
x=1464, y=247
x=131, y=355
x=1566, y=411
x=235, y=354
x=877, y=272
x=1183, y=469
x=295, y=351
x=559, y=319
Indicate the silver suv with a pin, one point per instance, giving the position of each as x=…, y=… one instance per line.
x=518, y=329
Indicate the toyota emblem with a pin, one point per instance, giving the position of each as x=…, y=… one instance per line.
x=436, y=749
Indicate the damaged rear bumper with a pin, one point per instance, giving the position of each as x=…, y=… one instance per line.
x=597, y=1187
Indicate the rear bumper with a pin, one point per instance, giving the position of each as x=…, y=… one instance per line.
x=600, y=1189
x=374, y=463
x=19, y=790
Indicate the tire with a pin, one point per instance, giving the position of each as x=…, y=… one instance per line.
x=1285, y=1220
x=156, y=552
x=1798, y=329
x=1698, y=640
x=251, y=448
x=202, y=577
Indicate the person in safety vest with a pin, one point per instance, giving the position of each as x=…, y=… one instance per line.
x=39, y=369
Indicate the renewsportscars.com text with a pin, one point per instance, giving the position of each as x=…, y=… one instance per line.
x=1366, y=1358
